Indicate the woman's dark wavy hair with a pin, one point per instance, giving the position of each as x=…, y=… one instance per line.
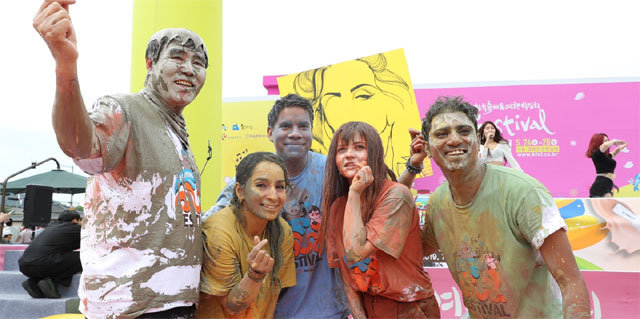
x=497, y=137
x=595, y=142
x=336, y=185
x=273, y=231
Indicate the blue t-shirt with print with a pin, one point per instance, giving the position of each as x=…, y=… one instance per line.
x=318, y=292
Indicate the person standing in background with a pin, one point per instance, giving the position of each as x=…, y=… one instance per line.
x=26, y=235
x=604, y=163
x=494, y=149
x=15, y=232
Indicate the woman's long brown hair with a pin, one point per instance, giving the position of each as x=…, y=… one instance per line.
x=336, y=185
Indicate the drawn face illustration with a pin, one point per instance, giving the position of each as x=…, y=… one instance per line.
x=178, y=75
x=348, y=154
x=291, y=134
x=490, y=261
x=293, y=211
x=453, y=142
x=356, y=96
x=265, y=192
x=314, y=215
x=465, y=252
x=374, y=89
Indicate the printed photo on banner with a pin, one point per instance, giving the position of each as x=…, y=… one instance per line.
x=603, y=232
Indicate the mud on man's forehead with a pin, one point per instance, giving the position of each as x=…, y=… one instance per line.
x=449, y=119
x=187, y=38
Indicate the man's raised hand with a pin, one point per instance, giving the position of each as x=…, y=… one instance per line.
x=54, y=25
x=417, y=149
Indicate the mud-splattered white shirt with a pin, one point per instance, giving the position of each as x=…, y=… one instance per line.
x=141, y=243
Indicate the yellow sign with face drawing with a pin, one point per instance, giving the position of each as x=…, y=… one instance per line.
x=375, y=89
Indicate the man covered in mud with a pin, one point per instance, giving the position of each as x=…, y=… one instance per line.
x=499, y=229
x=141, y=242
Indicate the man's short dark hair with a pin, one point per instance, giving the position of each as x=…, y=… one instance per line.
x=290, y=100
x=69, y=215
x=449, y=104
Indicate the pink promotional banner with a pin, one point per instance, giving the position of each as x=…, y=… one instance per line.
x=549, y=127
x=619, y=300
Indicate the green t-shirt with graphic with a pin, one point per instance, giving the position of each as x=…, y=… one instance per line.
x=492, y=245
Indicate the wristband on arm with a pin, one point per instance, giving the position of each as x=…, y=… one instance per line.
x=413, y=169
x=255, y=275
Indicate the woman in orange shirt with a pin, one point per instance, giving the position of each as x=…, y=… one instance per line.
x=372, y=230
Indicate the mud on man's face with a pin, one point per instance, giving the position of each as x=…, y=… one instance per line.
x=178, y=75
x=453, y=142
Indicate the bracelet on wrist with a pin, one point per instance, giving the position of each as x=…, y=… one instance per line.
x=413, y=169
x=255, y=275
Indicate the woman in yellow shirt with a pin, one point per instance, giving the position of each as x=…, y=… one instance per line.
x=248, y=255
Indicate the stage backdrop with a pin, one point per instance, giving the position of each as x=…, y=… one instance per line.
x=549, y=127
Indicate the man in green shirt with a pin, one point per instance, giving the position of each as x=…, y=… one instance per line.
x=499, y=229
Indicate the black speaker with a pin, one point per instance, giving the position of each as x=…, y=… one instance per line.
x=37, y=205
